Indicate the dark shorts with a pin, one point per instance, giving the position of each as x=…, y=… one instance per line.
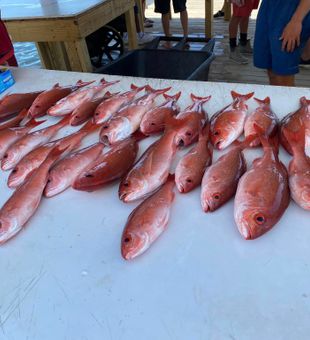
x=163, y=6
x=272, y=18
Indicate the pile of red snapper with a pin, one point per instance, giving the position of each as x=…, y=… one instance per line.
x=43, y=165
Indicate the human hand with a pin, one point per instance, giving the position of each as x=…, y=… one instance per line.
x=291, y=36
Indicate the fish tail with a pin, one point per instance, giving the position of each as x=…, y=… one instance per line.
x=265, y=101
x=138, y=135
x=295, y=138
x=171, y=177
x=23, y=113
x=64, y=121
x=137, y=88
x=33, y=122
x=304, y=101
x=245, y=143
x=200, y=99
x=109, y=94
x=266, y=142
x=108, y=83
x=172, y=97
x=261, y=134
x=55, y=153
x=89, y=127
x=158, y=92
x=244, y=97
x=172, y=122
x=81, y=83
x=204, y=132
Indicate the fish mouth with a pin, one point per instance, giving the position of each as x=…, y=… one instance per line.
x=181, y=188
x=218, y=145
x=9, y=232
x=206, y=207
x=123, y=196
x=104, y=139
x=245, y=231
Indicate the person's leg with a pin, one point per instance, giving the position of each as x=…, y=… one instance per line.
x=305, y=56
x=179, y=6
x=245, y=12
x=163, y=7
x=138, y=28
x=281, y=80
x=184, y=22
x=165, y=19
x=233, y=31
x=234, y=53
x=262, y=57
x=237, y=17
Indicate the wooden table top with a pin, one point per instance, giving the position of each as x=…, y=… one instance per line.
x=38, y=9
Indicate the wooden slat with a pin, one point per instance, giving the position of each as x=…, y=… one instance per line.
x=78, y=56
x=99, y=16
x=209, y=18
x=140, y=14
x=227, y=11
x=43, y=30
x=131, y=29
x=59, y=56
x=44, y=54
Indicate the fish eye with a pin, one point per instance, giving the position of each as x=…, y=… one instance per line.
x=49, y=180
x=181, y=142
x=89, y=175
x=217, y=144
x=260, y=219
x=127, y=239
x=126, y=184
x=5, y=156
x=152, y=123
x=216, y=196
x=96, y=114
x=14, y=171
x=188, y=133
x=106, y=126
x=188, y=180
x=216, y=133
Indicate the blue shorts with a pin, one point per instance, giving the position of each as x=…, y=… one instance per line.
x=272, y=18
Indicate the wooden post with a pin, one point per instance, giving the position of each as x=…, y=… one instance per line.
x=44, y=54
x=131, y=29
x=78, y=56
x=227, y=11
x=209, y=18
x=140, y=14
x=59, y=56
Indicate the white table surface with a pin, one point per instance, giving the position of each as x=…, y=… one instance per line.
x=38, y=9
x=63, y=276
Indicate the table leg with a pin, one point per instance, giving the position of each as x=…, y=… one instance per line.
x=209, y=18
x=78, y=56
x=53, y=56
x=45, y=57
x=227, y=11
x=140, y=14
x=131, y=29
